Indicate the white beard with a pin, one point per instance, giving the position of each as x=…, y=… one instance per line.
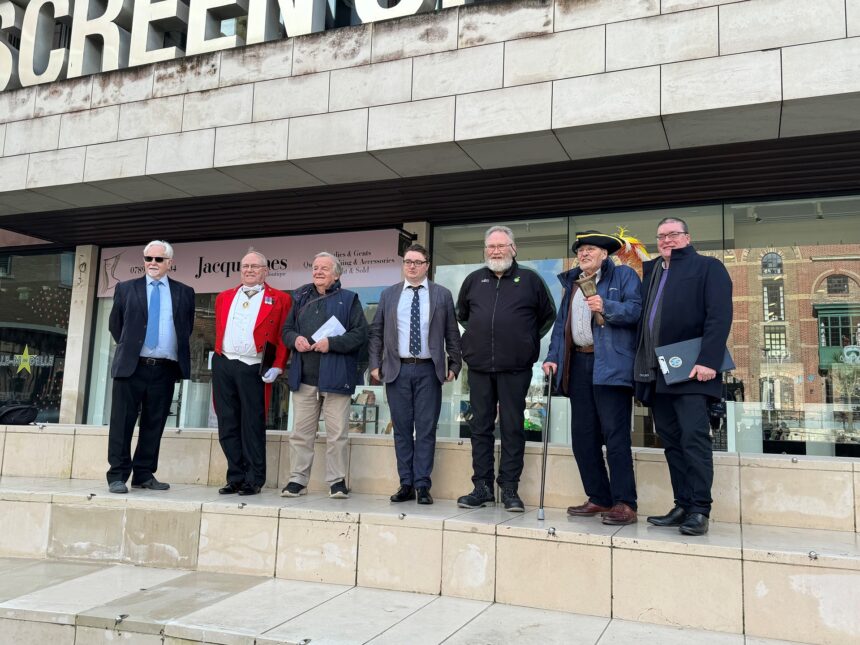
x=499, y=266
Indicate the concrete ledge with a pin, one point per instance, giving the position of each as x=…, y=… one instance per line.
x=774, y=490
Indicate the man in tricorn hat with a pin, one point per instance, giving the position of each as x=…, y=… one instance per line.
x=591, y=353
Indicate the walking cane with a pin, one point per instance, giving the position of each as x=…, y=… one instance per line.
x=548, y=377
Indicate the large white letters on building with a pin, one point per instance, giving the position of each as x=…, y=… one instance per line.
x=105, y=35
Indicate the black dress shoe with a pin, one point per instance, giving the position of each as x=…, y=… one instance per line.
x=249, y=489
x=675, y=517
x=404, y=494
x=229, y=488
x=152, y=484
x=695, y=524
x=117, y=487
x=424, y=495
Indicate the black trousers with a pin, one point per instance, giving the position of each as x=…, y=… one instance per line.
x=148, y=392
x=683, y=426
x=507, y=390
x=601, y=415
x=240, y=404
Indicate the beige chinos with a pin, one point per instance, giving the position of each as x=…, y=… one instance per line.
x=308, y=403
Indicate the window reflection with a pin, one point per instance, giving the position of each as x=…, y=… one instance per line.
x=35, y=299
x=796, y=332
x=799, y=342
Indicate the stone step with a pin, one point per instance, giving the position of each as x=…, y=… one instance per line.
x=110, y=603
x=762, y=581
x=776, y=490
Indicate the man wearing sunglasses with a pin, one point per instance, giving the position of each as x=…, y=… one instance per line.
x=151, y=322
x=414, y=349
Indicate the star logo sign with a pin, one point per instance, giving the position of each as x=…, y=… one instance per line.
x=24, y=360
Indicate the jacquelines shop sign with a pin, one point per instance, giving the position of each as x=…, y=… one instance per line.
x=114, y=34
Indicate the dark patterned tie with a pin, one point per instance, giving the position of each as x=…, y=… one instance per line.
x=415, y=323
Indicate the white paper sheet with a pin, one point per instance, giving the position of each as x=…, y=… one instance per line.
x=329, y=328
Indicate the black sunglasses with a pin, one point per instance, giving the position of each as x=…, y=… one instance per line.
x=150, y=258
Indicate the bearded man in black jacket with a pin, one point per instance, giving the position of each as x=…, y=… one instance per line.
x=506, y=309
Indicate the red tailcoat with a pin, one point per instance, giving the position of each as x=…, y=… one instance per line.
x=270, y=321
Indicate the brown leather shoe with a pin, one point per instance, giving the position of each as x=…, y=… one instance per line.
x=621, y=513
x=587, y=510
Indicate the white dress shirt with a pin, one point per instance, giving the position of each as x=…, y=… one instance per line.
x=239, y=333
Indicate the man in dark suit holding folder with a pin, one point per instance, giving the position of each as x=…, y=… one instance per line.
x=692, y=299
x=414, y=349
x=249, y=356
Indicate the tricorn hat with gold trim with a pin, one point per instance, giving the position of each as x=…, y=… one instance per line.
x=611, y=243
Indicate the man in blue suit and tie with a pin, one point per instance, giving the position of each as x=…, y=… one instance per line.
x=415, y=348
x=151, y=322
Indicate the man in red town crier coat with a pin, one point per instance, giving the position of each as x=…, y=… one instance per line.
x=246, y=317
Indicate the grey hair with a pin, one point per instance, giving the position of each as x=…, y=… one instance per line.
x=168, y=249
x=677, y=220
x=338, y=269
x=262, y=257
x=499, y=229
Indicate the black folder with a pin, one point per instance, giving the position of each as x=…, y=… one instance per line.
x=269, y=351
x=677, y=360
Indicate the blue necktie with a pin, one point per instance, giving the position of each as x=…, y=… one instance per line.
x=154, y=314
x=415, y=323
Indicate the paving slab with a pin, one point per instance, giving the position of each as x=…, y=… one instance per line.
x=352, y=618
x=149, y=610
x=723, y=540
x=39, y=574
x=238, y=619
x=505, y=624
x=805, y=547
x=625, y=632
x=49, y=484
x=433, y=623
x=62, y=602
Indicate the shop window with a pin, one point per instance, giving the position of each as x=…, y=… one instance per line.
x=771, y=264
x=773, y=301
x=837, y=285
x=34, y=320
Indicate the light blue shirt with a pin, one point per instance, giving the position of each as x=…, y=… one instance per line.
x=404, y=318
x=166, y=347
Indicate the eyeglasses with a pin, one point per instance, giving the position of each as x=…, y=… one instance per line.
x=415, y=263
x=497, y=247
x=674, y=235
x=151, y=258
x=253, y=267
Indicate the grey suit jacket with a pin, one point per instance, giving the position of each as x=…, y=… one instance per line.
x=443, y=336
